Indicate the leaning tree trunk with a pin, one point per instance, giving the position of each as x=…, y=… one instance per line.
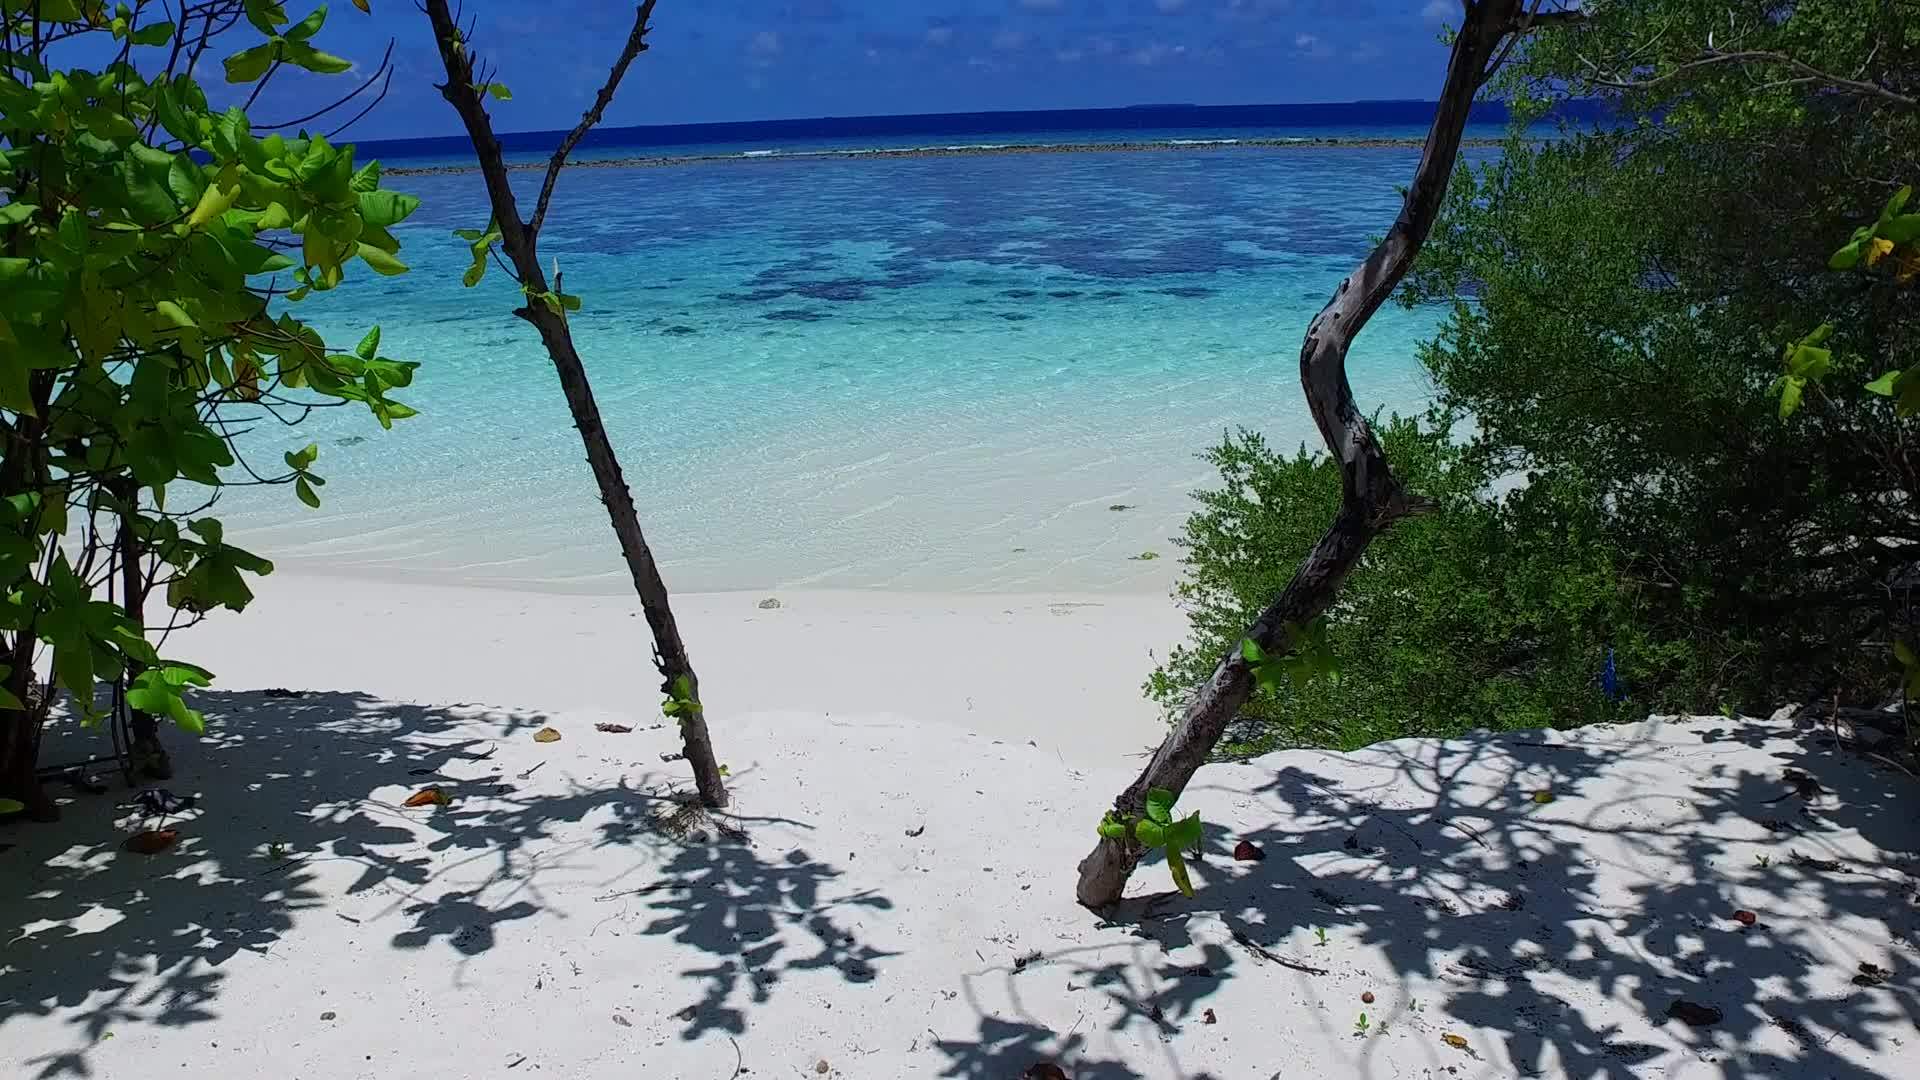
x=520, y=239
x=1371, y=499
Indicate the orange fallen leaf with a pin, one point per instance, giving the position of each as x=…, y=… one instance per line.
x=546, y=734
x=151, y=842
x=428, y=796
x=1454, y=1041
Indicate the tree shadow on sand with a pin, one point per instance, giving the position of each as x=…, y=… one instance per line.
x=1525, y=911
x=299, y=813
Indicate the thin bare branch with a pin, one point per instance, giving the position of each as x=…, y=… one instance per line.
x=636, y=44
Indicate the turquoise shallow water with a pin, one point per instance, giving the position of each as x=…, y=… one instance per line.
x=925, y=374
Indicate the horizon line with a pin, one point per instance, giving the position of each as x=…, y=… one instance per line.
x=901, y=119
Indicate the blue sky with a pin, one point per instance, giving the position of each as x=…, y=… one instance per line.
x=717, y=60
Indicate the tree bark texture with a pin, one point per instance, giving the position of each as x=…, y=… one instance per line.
x=23, y=471
x=1372, y=500
x=520, y=241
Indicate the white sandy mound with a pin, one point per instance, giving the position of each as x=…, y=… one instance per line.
x=897, y=902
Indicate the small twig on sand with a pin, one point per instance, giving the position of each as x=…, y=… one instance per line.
x=739, y=1062
x=655, y=887
x=528, y=774
x=1474, y=836
x=1267, y=954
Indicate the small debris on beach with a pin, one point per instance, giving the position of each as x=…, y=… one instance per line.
x=1366, y=998
x=431, y=795
x=1871, y=974
x=1543, y=797
x=152, y=841
x=546, y=735
x=1693, y=1014
x=613, y=729
x=1145, y=556
x=1121, y=507
x=621, y=1020
x=1454, y=1041
x=769, y=604
x=1044, y=1070
x=1745, y=918
x=1248, y=851
x=328, y=1015
x=1207, y=1017
x=283, y=692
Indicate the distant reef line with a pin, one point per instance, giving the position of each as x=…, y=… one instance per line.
x=668, y=160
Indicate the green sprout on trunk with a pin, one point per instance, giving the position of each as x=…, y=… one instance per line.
x=1158, y=829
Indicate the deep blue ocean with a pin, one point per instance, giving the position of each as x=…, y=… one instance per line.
x=914, y=373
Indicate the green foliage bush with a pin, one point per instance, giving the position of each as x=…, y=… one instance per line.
x=1617, y=304
x=1497, y=610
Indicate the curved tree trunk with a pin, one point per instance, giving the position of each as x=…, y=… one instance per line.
x=1372, y=499
x=520, y=239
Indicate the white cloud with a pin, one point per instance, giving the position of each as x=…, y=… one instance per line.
x=1156, y=54
x=1441, y=10
x=1309, y=45
x=939, y=35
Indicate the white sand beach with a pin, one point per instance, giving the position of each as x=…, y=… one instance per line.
x=891, y=894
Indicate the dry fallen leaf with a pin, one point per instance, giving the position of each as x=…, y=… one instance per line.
x=546, y=734
x=1745, y=918
x=1454, y=1041
x=428, y=796
x=611, y=729
x=151, y=842
x=1248, y=851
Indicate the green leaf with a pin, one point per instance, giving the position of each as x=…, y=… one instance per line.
x=302, y=55
x=1904, y=653
x=304, y=488
x=1904, y=229
x=159, y=33
x=1884, y=385
x=1150, y=833
x=1893, y=207
x=498, y=91
x=174, y=315
x=267, y=16
x=308, y=26
x=248, y=65
x=1112, y=827
x=213, y=202
x=15, y=213
x=1186, y=833
x=369, y=344
x=568, y=301
x=1177, y=865
x=381, y=262
x=384, y=208
x=1160, y=805
x=1847, y=257
x=11, y=806
x=1790, y=388
x=302, y=460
